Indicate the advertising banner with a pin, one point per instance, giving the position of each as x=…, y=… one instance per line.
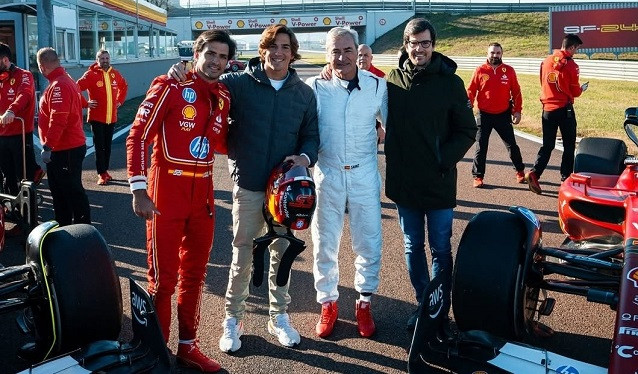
x=260, y=23
x=598, y=28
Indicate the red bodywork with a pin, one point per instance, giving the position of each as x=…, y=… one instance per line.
x=605, y=207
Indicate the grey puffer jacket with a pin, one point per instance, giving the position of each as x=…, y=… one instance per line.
x=267, y=125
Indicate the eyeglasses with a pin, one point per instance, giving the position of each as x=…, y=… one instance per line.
x=422, y=43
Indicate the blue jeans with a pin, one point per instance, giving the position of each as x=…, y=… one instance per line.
x=439, y=227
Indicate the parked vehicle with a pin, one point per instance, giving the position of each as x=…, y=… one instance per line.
x=502, y=273
x=234, y=66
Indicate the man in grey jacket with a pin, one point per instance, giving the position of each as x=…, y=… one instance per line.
x=273, y=119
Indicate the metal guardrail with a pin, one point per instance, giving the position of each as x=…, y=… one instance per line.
x=603, y=69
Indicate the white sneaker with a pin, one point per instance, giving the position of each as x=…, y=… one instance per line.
x=281, y=328
x=229, y=341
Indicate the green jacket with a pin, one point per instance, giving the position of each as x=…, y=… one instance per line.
x=430, y=128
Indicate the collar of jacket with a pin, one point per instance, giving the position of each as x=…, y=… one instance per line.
x=59, y=71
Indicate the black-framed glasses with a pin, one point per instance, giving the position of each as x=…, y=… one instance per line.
x=422, y=43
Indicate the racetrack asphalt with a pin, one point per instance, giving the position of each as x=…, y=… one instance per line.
x=583, y=330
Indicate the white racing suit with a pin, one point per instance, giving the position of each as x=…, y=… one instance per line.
x=346, y=175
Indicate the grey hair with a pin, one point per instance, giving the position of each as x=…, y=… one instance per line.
x=337, y=32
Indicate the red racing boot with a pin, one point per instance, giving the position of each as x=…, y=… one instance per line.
x=365, y=323
x=329, y=314
x=189, y=355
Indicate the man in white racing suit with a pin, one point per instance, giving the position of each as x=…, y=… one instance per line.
x=346, y=176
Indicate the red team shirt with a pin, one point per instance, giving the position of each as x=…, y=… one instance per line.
x=494, y=87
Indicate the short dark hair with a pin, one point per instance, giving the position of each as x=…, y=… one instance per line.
x=220, y=36
x=270, y=34
x=48, y=57
x=5, y=51
x=495, y=45
x=417, y=26
x=571, y=40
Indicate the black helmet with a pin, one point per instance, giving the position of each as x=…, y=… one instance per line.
x=290, y=196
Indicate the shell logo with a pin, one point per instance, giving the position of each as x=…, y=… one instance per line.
x=283, y=21
x=104, y=26
x=199, y=25
x=327, y=21
x=552, y=77
x=99, y=84
x=484, y=78
x=189, y=112
x=241, y=23
x=221, y=104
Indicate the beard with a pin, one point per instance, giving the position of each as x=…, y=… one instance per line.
x=495, y=61
x=4, y=67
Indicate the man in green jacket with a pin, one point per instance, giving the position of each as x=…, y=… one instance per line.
x=430, y=128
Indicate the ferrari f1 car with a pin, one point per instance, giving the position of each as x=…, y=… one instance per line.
x=503, y=272
x=70, y=298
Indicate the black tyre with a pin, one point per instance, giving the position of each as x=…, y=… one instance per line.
x=489, y=290
x=86, y=298
x=601, y=156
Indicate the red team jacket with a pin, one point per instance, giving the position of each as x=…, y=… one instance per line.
x=174, y=117
x=17, y=94
x=493, y=88
x=559, y=80
x=60, y=115
x=108, y=88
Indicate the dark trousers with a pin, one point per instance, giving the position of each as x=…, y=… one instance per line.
x=11, y=161
x=70, y=203
x=102, y=139
x=502, y=123
x=565, y=120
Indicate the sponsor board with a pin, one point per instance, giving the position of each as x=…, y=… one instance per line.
x=260, y=23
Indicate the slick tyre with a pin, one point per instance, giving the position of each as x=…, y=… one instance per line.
x=601, y=156
x=86, y=301
x=489, y=291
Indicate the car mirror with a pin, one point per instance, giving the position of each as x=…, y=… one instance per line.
x=631, y=124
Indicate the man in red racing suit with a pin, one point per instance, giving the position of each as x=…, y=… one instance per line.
x=185, y=121
x=17, y=99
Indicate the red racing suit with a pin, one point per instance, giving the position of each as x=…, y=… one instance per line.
x=185, y=121
x=559, y=80
x=17, y=94
x=494, y=87
x=108, y=88
x=60, y=115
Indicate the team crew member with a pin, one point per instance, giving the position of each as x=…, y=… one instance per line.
x=495, y=87
x=364, y=62
x=185, y=121
x=17, y=99
x=347, y=175
x=63, y=140
x=107, y=91
x=559, y=86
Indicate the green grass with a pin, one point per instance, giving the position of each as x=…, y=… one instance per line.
x=599, y=111
x=521, y=34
